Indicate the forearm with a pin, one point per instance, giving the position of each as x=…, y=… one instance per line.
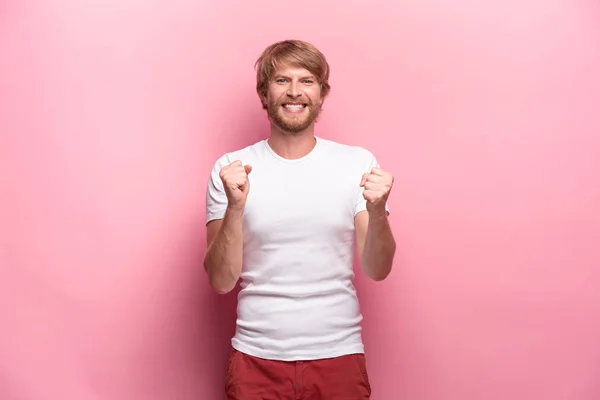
x=223, y=260
x=379, y=249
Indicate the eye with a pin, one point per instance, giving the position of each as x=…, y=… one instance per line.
x=308, y=81
x=280, y=80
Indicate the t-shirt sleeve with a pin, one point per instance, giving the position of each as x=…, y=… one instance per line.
x=361, y=203
x=216, y=199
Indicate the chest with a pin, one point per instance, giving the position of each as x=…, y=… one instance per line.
x=295, y=205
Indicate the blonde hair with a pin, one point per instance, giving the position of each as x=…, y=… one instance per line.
x=292, y=52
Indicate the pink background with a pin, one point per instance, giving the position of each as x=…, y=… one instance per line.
x=487, y=112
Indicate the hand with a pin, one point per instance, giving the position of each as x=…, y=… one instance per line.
x=236, y=184
x=378, y=184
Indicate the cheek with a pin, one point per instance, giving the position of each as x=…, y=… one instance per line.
x=274, y=94
x=317, y=100
x=315, y=96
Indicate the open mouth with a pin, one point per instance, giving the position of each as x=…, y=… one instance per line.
x=294, y=107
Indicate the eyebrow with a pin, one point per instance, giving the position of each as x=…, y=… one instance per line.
x=285, y=76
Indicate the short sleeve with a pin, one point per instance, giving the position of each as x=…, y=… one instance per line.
x=361, y=203
x=216, y=199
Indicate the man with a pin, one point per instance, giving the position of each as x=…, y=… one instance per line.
x=283, y=215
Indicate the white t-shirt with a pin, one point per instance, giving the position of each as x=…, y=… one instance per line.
x=297, y=300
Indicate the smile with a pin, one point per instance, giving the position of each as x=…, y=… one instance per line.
x=294, y=107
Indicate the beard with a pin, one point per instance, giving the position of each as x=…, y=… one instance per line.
x=293, y=123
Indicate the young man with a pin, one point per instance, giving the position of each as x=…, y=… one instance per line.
x=283, y=215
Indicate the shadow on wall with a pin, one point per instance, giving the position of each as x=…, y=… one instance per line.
x=207, y=322
x=221, y=316
x=216, y=314
x=387, y=308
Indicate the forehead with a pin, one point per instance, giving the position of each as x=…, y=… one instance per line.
x=291, y=71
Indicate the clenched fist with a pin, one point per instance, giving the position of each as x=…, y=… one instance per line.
x=377, y=184
x=236, y=184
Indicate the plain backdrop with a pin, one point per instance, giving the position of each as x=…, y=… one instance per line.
x=487, y=112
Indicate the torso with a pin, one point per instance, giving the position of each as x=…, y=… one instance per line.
x=297, y=300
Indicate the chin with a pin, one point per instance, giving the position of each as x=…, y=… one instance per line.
x=292, y=123
x=293, y=130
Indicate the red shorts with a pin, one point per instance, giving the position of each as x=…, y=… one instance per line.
x=340, y=378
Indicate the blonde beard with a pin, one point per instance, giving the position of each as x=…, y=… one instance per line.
x=292, y=126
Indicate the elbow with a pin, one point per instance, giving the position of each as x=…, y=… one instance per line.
x=218, y=284
x=222, y=289
x=380, y=275
x=377, y=272
x=221, y=286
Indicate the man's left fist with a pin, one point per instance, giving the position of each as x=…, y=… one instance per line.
x=377, y=185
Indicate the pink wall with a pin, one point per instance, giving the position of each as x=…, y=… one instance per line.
x=112, y=112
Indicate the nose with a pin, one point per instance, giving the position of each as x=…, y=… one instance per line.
x=293, y=90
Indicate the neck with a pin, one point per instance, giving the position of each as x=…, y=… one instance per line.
x=292, y=145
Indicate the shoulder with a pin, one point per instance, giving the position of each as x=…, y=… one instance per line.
x=245, y=155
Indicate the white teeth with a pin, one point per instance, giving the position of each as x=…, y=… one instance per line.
x=294, y=107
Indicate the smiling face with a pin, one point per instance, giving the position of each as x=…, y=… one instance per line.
x=292, y=81
x=293, y=99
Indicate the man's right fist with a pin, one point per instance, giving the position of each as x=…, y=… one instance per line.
x=235, y=182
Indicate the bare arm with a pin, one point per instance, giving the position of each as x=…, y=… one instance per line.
x=223, y=260
x=224, y=237
x=375, y=244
